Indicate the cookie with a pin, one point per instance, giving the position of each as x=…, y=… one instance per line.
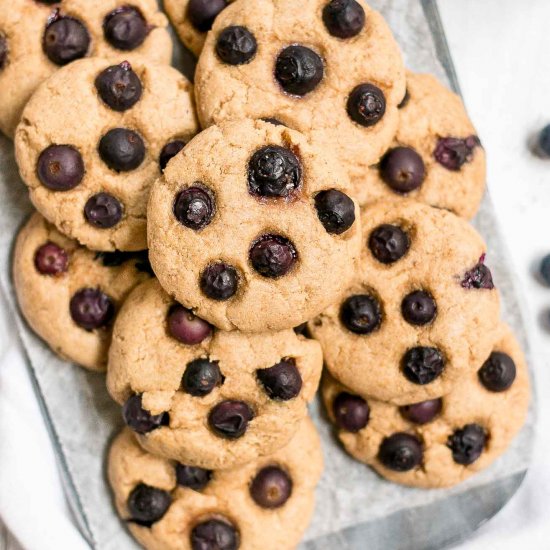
x=37, y=37
x=205, y=397
x=440, y=442
x=90, y=174
x=250, y=227
x=266, y=504
x=330, y=69
x=422, y=311
x=70, y=295
x=192, y=19
x=436, y=156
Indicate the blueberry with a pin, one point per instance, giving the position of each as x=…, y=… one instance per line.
x=274, y=171
x=452, y=153
x=3, y=51
x=194, y=207
x=185, y=326
x=119, y=87
x=351, y=412
x=65, y=39
x=545, y=269
x=479, y=276
x=497, y=373
x=122, y=150
x=366, y=105
x=543, y=141
x=405, y=100
x=422, y=365
x=230, y=419
x=298, y=70
x=419, y=308
x=344, y=18
x=202, y=13
x=361, y=314
x=271, y=487
x=400, y=452
x=274, y=121
x=91, y=309
x=103, y=211
x=192, y=477
x=51, y=259
x=467, y=443
x=140, y=420
x=281, y=381
x=423, y=412
x=169, y=151
x=215, y=534
x=236, y=46
x=403, y=170
x=388, y=243
x=219, y=281
x=201, y=376
x=335, y=210
x=273, y=256
x=60, y=167
x=147, y=504
x=125, y=28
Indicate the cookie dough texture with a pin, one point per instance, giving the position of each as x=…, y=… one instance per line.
x=23, y=23
x=443, y=247
x=501, y=414
x=218, y=158
x=432, y=112
x=67, y=110
x=44, y=299
x=251, y=90
x=145, y=360
x=227, y=494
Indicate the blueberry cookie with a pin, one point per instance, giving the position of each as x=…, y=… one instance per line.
x=192, y=19
x=436, y=156
x=442, y=441
x=92, y=140
x=422, y=310
x=251, y=228
x=328, y=68
x=205, y=397
x=70, y=295
x=39, y=36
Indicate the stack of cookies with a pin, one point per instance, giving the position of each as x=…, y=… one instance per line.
x=328, y=192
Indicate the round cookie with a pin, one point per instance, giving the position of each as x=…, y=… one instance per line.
x=266, y=503
x=69, y=295
x=90, y=175
x=422, y=310
x=441, y=442
x=205, y=397
x=329, y=69
x=192, y=19
x=436, y=156
x=250, y=227
x=38, y=37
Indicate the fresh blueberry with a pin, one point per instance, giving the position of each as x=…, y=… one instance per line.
x=60, y=167
x=201, y=376
x=497, y=373
x=351, y=412
x=467, y=443
x=194, y=207
x=119, y=87
x=335, y=210
x=271, y=487
x=423, y=412
x=103, y=211
x=298, y=70
x=140, y=420
x=91, y=309
x=219, y=281
x=202, y=13
x=388, y=243
x=125, y=28
x=215, y=534
x=230, y=419
x=361, y=313
x=147, y=504
x=185, y=326
x=422, y=365
x=281, y=381
x=192, y=477
x=51, y=259
x=403, y=170
x=344, y=18
x=419, y=308
x=366, y=105
x=65, y=39
x=121, y=149
x=236, y=46
x=400, y=452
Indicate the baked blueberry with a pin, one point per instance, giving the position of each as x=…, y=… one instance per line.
x=405, y=100
x=402, y=169
x=65, y=39
x=147, y=504
x=125, y=28
x=192, y=476
x=422, y=365
x=60, y=167
x=202, y=13
x=215, y=534
x=51, y=259
x=121, y=149
x=185, y=326
x=335, y=210
x=236, y=45
x=219, y=281
x=388, y=243
x=452, y=153
x=230, y=418
x=419, y=308
x=3, y=51
x=140, y=420
x=298, y=70
x=351, y=412
x=119, y=87
x=366, y=105
x=361, y=313
x=545, y=269
x=479, y=276
x=344, y=18
x=467, y=443
x=271, y=487
x=281, y=381
x=103, y=211
x=498, y=372
x=194, y=207
x=91, y=309
x=274, y=171
x=400, y=452
x=169, y=151
x=201, y=376
x=423, y=412
x=273, y=256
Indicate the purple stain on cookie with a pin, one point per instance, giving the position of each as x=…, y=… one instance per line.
x=452, y=153
x=479, y=276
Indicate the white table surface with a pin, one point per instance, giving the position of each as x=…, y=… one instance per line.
x=501, y=50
